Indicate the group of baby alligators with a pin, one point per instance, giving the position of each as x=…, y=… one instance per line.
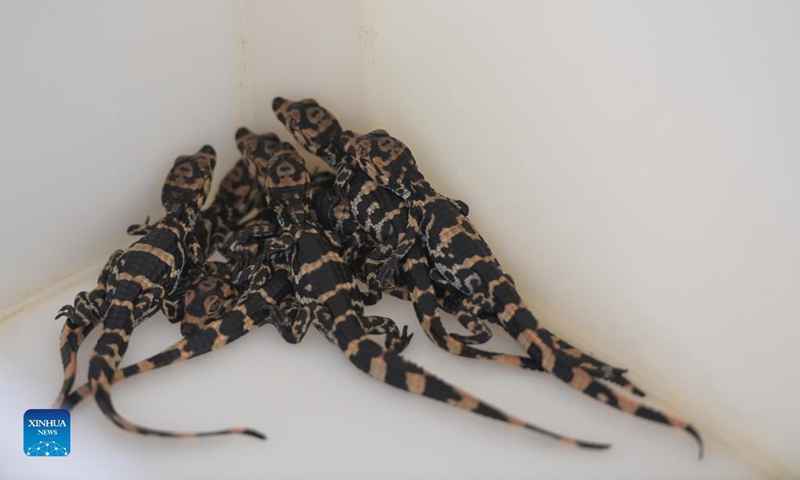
x=295, y=244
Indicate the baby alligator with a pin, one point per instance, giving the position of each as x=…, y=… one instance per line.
x=463, y=258
x=330, y=300
x=140, y=278
x=320, y=133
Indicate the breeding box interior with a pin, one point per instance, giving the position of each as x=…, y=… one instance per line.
x=632, y=165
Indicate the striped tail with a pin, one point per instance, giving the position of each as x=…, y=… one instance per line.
x=518, y=320
x=112, y=344
x=390, y=368
x=569, y=366
x=212, y=336
x=80, y=319
x=76, y=397
x=565, y=370
x=71, y=340
x=103, y=398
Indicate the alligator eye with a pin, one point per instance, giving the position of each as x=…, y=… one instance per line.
x=214, y=307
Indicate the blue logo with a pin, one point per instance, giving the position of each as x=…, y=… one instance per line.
x=46, y=433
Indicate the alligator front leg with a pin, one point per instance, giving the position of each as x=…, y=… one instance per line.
x=174, y=306
x=140, y=228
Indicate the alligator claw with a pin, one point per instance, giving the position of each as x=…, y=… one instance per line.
x=404, y=340
x=64, y=312
x=68, y=312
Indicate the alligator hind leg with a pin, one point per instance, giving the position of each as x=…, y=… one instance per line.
x=396, y=341
x=88, y=306
x=470, y=312
x=423, y=296
x=86, y=309
x=589, y=364
x=213, y=335
x=436, y=331
x=468, y=316
x=147, y=304
x=81, y=318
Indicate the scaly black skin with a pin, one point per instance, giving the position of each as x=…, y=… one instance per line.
x=331, y=301
x=380, y=219
x=258, y=151
x=464, y=259
x=88, y=311
x=209, y=301
x=238, y=194
x=319, y=132
x=215, y=293
x=412, y=283
x=257, y=307
x=212, y=295
x=271, y=287
x=373, y=216
x=207, y=297
x=148, y=271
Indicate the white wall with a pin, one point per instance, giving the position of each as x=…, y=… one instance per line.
x=99, y=98
x=634, y=165
x=302, y=49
